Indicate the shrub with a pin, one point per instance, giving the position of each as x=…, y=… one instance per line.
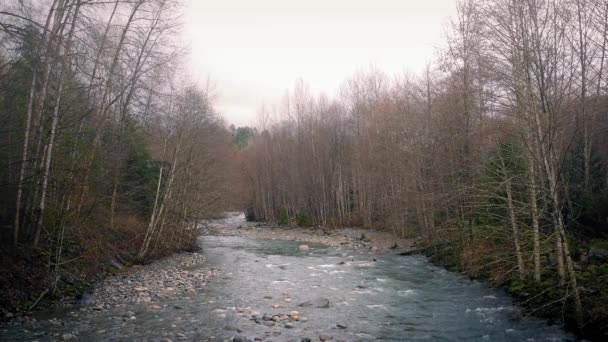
x=250, y=215
x=283, y=218
x=303, y=219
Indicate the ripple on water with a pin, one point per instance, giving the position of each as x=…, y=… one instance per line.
x=405, y=293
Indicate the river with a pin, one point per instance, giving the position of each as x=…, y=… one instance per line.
x=338, y=292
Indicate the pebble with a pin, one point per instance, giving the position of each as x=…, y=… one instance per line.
x=288, y=325
x=325, y=336
x=341, y=325
x=232, y=328
x=68, y=336
x=365, y=336
x=303, y=248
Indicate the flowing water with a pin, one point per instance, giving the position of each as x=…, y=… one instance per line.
x=371, y=296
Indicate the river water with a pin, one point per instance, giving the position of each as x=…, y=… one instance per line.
x=379, y=296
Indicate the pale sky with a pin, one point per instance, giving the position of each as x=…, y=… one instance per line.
x=255, y=50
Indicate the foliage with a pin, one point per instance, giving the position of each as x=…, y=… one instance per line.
x=303, y=219
x=283, y=217
x=242, y=136
x=250, y=215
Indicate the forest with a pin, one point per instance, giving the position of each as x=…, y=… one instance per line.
x=495, y=156
x=109, y=155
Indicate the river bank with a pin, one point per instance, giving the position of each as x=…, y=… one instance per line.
x=234, y=224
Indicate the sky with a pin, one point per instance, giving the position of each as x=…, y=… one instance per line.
x=253, y=51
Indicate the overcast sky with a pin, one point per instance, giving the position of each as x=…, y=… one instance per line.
x=254, y=50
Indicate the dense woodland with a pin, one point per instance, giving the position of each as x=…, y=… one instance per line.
x=108, y=155
x=495, y=156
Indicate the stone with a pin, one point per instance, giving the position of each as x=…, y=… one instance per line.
x=155, y=307
x=325, y=336
x=141, y=289
x=166, y=340
x=288, y=325
x=365, y=337
x=68, y=336
x=303, y=248
x=318, y=303
x=294, y=314
x=239, y=338
x=341, y=325
x=269, y=323
x=305, y=339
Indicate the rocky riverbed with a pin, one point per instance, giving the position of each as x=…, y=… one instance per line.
x=234, y=224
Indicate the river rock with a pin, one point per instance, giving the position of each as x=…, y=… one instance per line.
x=294, y=314
x=239, y=338
x=232, y=328
x=288, y=325
x=318, y=303
x=365, y=337
x=68, y=336
x=325, y=336
x=341, y=325
x=303, y=248
x=269, y=323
